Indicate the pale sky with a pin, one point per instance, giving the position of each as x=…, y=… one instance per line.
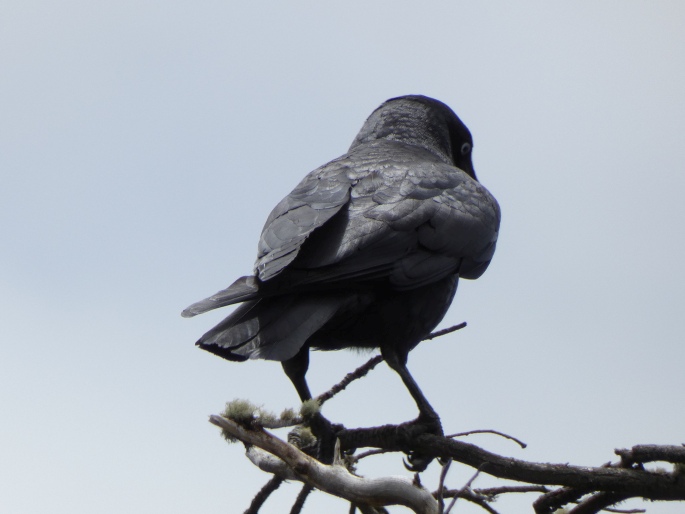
x=143, y=144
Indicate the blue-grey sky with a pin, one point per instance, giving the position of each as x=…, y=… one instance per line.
x=143, y=143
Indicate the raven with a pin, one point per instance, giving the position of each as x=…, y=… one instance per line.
x=367, y=250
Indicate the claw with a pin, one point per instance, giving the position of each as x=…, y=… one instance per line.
x=431, y=424
x=416, y=463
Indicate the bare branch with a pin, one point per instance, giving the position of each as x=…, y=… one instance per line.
x=335, y=479
x=349, y=378
x=487, y=431
x=651, y=453
x=263, y=495
x=301, y=498
x=592, y=489
x=496, y=491
x=362, y=370
x=478, y=500
x=553, y=500
x=598, y=502
x=410, y=437
x=461, y=491
x=368, y=453
x=441, y=486
x=270, y=464
x=445, y=331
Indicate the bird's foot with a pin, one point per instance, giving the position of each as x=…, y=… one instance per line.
x=426, y=423
x=326, y=434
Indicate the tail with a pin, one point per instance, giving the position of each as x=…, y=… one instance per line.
x=270, y=328
x=242, y=290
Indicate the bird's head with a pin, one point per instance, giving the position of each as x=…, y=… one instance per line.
x=421, y=121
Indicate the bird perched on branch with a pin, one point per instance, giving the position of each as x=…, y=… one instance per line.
x=367, y=250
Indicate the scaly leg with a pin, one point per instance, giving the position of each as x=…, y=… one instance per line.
x=296, y=369
x=427, y=415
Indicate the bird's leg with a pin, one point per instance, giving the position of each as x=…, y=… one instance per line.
x=427, y=415
x=426, y=411
x=296, y=369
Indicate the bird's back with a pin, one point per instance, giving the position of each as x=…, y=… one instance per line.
x=367, y=248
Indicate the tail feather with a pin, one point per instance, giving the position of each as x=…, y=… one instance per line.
x=270, y=328
x=243, y=289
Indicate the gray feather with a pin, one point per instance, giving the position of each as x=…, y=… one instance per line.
x=368, y=246
x=243, y=289
x=273, y=328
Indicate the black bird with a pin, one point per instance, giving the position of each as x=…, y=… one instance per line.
x=367, y=250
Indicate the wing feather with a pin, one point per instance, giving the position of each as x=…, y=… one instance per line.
x=318, y=198
x=390, y=211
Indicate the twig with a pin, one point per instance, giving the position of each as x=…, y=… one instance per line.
x=496, y=491
x=263, y=495
x=445, y=331
x=481, y=497
x=441, y=486
x=362, y=370
x=301, y=498
x=368, y=453
x=486, y=431
x=598, y=502
x=478, y=500
x=491, y=493
x=349, y=378
x=467, y=485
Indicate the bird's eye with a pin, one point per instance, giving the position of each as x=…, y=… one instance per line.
x=465, y=148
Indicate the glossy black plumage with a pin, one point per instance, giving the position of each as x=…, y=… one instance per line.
x=367, y=250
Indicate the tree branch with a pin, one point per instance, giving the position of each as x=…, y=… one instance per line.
x=362, y=370
x=335, y=479
x=263, y=495
x=598, y=502
x=445, y=331
x=460, y=493
x=487, y=431
x=349, y=378
x=409, y=437
x=652, y=453
x=593, y=489
x=301, y=498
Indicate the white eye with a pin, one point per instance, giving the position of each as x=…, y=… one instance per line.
x=465, y=148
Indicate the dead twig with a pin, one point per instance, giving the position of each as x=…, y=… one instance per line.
x=441, y=486
x=362, y=370
x=263, y=495
x=349, y=378
x=301, y=498
x=461, y=491
x=368, y=453
x=487, y=431
x=491, y=492
x=445, y=331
